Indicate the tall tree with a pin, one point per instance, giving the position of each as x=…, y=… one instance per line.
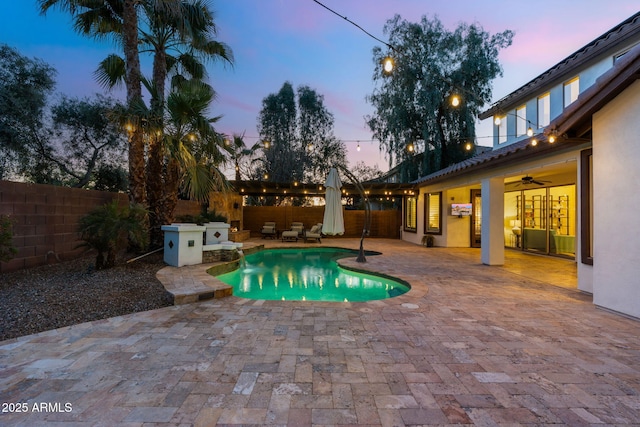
x=299, y=130
x=66, y=144
x=88, y=140
x=25, y=86
x=321, y=149
x=100, y=19
x=179, y=40
x=413, y=112
x=180, y=34
x=277, y=128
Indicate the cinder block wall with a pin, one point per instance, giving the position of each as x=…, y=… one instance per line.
x=45, y=220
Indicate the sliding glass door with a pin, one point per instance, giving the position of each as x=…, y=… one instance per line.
x=541, y=220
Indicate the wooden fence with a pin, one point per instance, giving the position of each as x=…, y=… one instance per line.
x=385, y=224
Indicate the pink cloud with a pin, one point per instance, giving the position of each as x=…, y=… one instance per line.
x=232, y=102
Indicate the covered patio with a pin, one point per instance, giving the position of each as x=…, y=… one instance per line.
x=470, y=343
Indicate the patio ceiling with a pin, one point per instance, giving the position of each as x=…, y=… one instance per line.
x=300, y=189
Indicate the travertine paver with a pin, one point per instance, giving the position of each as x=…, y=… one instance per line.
x=469, y=344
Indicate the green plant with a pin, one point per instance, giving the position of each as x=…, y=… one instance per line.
x=7, y=250
x=109, y=228
x=211, y=216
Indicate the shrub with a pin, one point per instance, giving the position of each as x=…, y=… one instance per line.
x=109, y=228
x=7, y=250
x=211, y=216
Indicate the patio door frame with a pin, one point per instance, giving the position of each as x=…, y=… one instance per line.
x=476, y=215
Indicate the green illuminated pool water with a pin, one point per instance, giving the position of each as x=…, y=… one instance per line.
x=307, y=275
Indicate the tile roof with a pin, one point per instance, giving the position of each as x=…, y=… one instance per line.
x=621, y=33
x=571, y=126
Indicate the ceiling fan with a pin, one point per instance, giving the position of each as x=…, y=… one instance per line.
x=528, y=180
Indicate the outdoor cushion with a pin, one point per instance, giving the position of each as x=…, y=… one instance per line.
x=289, y=235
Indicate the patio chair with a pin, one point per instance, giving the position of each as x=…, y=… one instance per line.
x=314, y=233
x=269, y=230
x=298, y=227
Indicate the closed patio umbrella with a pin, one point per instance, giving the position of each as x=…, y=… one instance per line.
x=333, y=222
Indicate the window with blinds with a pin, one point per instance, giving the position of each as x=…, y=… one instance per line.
x=411, y=214
x=432, y=213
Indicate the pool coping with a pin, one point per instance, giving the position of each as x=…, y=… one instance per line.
x=193, y=283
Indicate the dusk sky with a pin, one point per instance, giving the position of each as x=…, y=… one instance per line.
x=274, y=41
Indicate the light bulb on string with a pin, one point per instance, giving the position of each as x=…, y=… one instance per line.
x=388, y=65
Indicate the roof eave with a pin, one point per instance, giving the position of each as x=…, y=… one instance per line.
x=612, y=38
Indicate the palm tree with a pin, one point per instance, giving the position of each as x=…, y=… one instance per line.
x=100, y=19
x=237, y=150
x=193, y=146
x=179, y=39
x=179, y=43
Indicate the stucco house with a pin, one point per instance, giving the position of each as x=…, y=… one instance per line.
x=563, y=177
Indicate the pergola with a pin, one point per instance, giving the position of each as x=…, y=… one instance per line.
x=300, y=189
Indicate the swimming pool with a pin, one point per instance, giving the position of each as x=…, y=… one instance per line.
x=307, y=275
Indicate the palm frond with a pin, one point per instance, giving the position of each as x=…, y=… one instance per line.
x=200, y=180
x=111, y=72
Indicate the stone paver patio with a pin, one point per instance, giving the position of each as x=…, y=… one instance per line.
x=468, y=345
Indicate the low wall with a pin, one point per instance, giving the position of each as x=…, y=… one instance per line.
x=45, y=220
x=384, y=224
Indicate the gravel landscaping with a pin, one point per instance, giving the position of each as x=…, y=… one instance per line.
x=57, y=295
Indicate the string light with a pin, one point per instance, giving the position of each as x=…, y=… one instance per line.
x=355, y=25
x=388, y=65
